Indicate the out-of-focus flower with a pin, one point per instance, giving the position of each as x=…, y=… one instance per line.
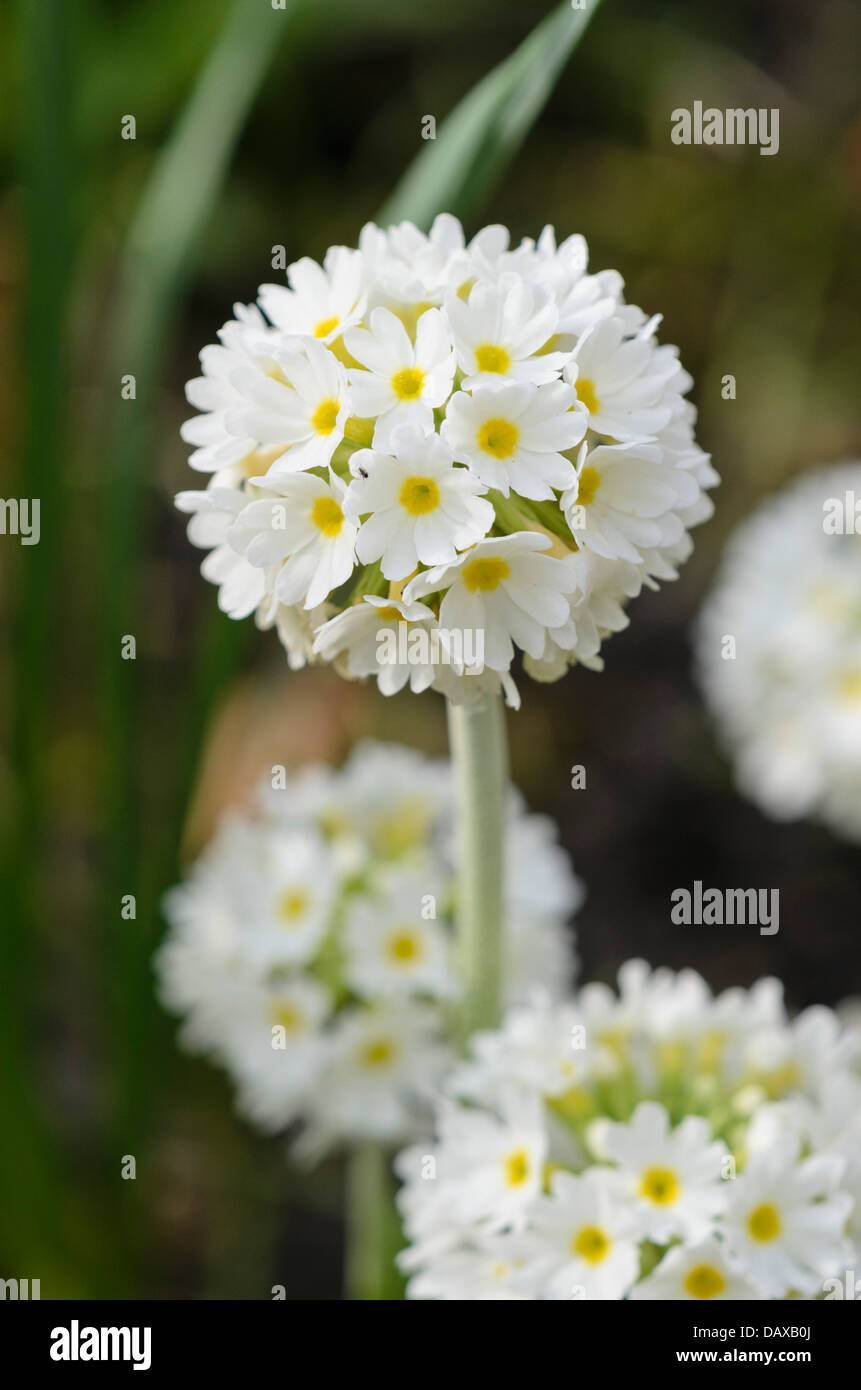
x=655, y=1143
x=310, y=949
x=407, y=404
x=778, y=650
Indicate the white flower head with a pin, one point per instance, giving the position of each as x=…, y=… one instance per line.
x=462, y=394
x=667, y=1172
x=309, y=949
x=778, y=649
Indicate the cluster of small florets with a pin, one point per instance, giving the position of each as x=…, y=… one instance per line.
x=310, y=948
x=779, y=651
x=658, y=1143
x=428, y=453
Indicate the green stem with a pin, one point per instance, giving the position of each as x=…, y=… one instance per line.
x=373, y=1230
x=479, y=755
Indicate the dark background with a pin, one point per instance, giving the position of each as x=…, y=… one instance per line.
x=115, y=771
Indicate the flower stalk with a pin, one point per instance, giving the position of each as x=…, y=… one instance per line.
x=370, y=1218
x=480, y=759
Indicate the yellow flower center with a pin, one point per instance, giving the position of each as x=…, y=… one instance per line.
x=592, y=1244
x=407, y=383
x=590, y=481
x=489, y=358
x=485, y=575
x=517, y=1168
x=378, y=1053
x=292, y=905
x=498, y=437
x=404, y=946
x=325, y=417
x=325, y=327
x=327, y=516
x=407, y=824
x=586, y=394
x=419, y=495
x=660, y=1186
x=764, y=1223
x=288, y=1018
x=704, y=1281
x=849, y=686
x=464, y=290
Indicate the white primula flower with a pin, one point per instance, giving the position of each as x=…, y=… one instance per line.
x=499, y=332
x=566, y=421
x=623, y=501
x=672, y=1177
x=420, y=508
x=504, y=587
x=241, y=585
x=627, y=384
x=302, y=524
x=480, y=1274
x=289, y=895
x=217, y=448
x=486, y=1170
x=403, y=382
x=322, y=301
x=309, y=949
x=354, y=638
x=513, y=437
x=297, y=408
x=382, y=1066
x=787, y=1220
x=276, y=1048
x=778, y=650
x=668, y=1173
x=393, y=942
x=581, y=1241
x=697, y=1272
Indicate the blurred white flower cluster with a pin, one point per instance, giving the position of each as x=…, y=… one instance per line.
x=655, y=1143
x=470, y=447
x=310, y=947
x=779, y=651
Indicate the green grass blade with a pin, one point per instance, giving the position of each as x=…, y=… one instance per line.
x=173, y=212
x=455, y=172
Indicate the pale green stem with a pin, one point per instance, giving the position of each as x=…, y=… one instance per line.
x=369, y=1215
x=480, y=761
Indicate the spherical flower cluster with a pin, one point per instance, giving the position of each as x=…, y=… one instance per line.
x=310, y=948
x=658, y=1143
x=779, y=651
x=427, y=453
